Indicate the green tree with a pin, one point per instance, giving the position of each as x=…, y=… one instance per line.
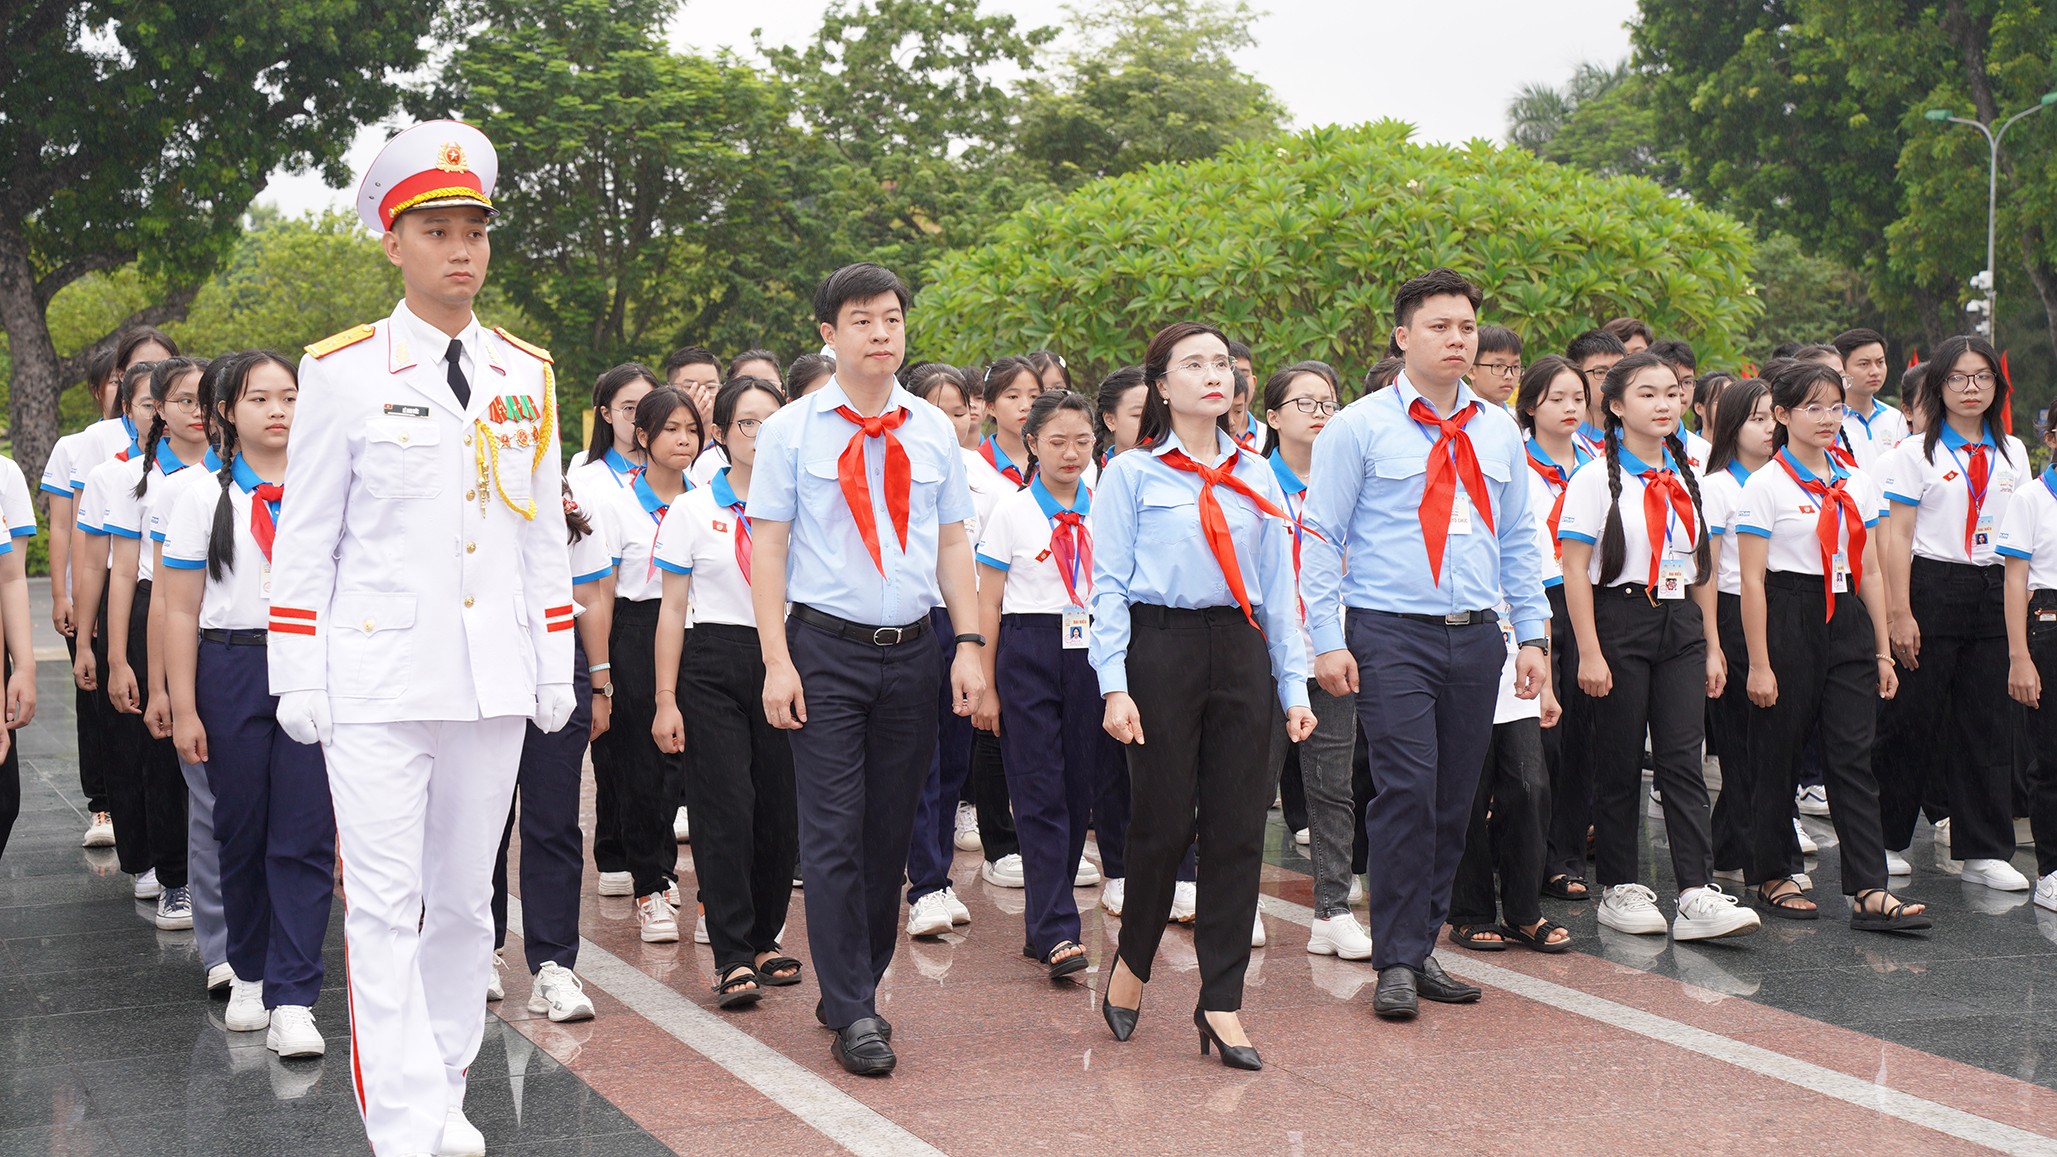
x=137, y=131
x=1149, y=81
x=1297, y=243
x=1806, y=298
x=1539, y=112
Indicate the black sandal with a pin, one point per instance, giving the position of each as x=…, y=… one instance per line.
x=768, y=970
x=1559, y=888
x=1893, y=919
x=1063, y=966
x=730, y=993
x=1467, y=936
x=1541, y=940
x=1778, y=905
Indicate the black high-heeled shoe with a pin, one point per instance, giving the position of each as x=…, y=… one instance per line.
x=1120, y=1021
x=1232, y=1056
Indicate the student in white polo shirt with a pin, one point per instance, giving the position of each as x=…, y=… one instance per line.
x=2028, y=541
x=1949, y=491
x=1871, y=428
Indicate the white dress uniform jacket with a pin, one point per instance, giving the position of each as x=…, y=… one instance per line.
x=421, y=572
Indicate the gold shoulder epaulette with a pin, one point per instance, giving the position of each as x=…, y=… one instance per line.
x=336, y=341
x=534, y=351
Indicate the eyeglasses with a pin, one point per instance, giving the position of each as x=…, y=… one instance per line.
x=1312, y=405
x=747, y=426
x=1968, y=383
x=1196, y=366
x=187, y=405
x=1816, y=411
x=1596, y=374
x=1504, y=369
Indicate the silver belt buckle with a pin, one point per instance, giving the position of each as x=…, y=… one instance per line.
x=1460, y=619
x=879, y=639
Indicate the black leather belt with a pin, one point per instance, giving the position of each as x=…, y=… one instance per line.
x=1459, y=619
x=859, y=632
x=236, y=638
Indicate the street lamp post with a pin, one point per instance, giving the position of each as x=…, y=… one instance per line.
x=1993, y=139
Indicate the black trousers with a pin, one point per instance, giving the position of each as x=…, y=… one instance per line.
x=1743, y=790
x=10, y=778
x=1568, y=752
x=1948, y=730
x=146, y=789
x=635, y=785
x=739, y=784
x=858, y=768
x=1658, y=658
x=1201, y=680
x=91, y=728
x=553, y=862
x=1516, y=788
x=2042, y=785
x=1827, y=669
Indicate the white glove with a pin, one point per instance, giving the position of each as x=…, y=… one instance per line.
x=304, y=715
x=554, y=702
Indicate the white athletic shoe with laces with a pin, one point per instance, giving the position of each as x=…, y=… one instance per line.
x=929, y=916
x=1631, y=908
x=2046, y=892
x=99, y=831
x=1812, y=801
x=1088, y=874
x=966, y=838
x=1004, y=872
x=460, y=1137
x=1112, y=893
x=1999, y=875
x=146, y=886
x=959, y=914
x=495, y=990
x=246, y=1011
x=1185, y=902
x=655, y=921
x=174, y=909
x=1340, y=936
x=560, y=993
x=1807, y=845
x=293, y=1033
x=1709, y=914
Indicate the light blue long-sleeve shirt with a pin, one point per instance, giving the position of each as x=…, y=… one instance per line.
x=1364, y=500
x=1148, y=548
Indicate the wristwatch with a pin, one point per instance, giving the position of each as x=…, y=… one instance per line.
x=607, y=691
x=1542, y=645
x=978, y=639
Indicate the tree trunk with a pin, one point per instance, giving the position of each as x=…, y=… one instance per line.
x=37, y=376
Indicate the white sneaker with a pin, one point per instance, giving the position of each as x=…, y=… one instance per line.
x=1004, y=872
x=293, y=1033
x=2046, y=892
x=1897, y=865
x=1257, y=937
x=560, y=993
x=967, y=837
x=1339, y=936
x=681, y=831
x=1709, y=914
x=1812, y=801
x=2024, y=833
x=1807, y=845
x=147, y=887
x=1112, y=893
x=929, y=916
x=220, y=977
x=1303, y=837
x=959, y=914
x=1185, y=902
x=1943, y=859
x=1999, y=875
x=654, y=918
x=1356, y=891
x=700, y=929
x=495, y=990
x=460, y=1137
x=1631, y=908
x=671, y=896
x=174, y=909
x=99, y=831
x=246, y=1011
x=617, y=884
x=1087, y=875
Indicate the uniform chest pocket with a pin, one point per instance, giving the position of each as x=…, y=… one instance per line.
x=1397, y=467
x=1166, y=513
x=402, y=459
x=371, y=645
x=821, y=489
x=926, y=492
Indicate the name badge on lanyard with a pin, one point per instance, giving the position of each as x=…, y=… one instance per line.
x=264, y=574
x=1841, y=577
x=1982, y=531
x=1460, y=513
x=1076, y=622
x=1671, y=576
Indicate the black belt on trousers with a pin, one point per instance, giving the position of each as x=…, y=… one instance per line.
x=235, y=638
x=860, y=632
x=1457, y=619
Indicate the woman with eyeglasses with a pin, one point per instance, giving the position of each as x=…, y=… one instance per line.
x=1298, y=402
x=1949, y=489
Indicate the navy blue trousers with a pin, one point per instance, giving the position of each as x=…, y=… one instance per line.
x=146, y=791
x=858, y=766
x=553, y=850
x=933, y=846
x=274, y=824
x=1426, y=700
x=1058, y=761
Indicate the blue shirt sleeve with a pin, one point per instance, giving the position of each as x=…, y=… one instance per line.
x=775, y=478
x=1114, y=558
x=1521, y=556
x=1332, y=491
x=1280, y=613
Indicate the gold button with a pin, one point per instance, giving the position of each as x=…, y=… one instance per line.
x=467, y=600
x=471, y=547
x=467, y=439
x=367, y=626
x=403, y=439
x=470, y=494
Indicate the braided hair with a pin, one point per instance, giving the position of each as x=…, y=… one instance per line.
x=1613, y=541
x=163, y=376
x=221, y=387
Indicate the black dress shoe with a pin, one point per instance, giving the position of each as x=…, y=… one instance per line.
x=1394, y=998
x=862, y=1049
x=1443, y=988
x=885, y=1026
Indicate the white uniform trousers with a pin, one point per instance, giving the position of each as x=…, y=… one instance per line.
x=419, y=810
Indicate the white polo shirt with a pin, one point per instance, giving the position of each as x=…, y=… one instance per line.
x=1774, y=506
x=17, y=505
x=111, y=489
x=1869, y=437
x=1719, y=494
x=57, y=469
x=987, y=485
x=2030, y=530
x=610, y=470
x=1939, y=490
x=634, y=516
x=98, y=443
x=713, y=460
x=241, y=599
x=1586, y=502
x=592, y=556
x=698, y=538
x=1698, y=450
x=1020, y=540
x=1542, y=498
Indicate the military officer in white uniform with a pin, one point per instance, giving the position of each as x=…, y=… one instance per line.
x=421, y=612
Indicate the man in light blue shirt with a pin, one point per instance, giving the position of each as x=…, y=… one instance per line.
x=857, y=509
x=1419, y=521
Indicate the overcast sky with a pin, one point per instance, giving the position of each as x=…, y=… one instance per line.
x=1448, y=67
